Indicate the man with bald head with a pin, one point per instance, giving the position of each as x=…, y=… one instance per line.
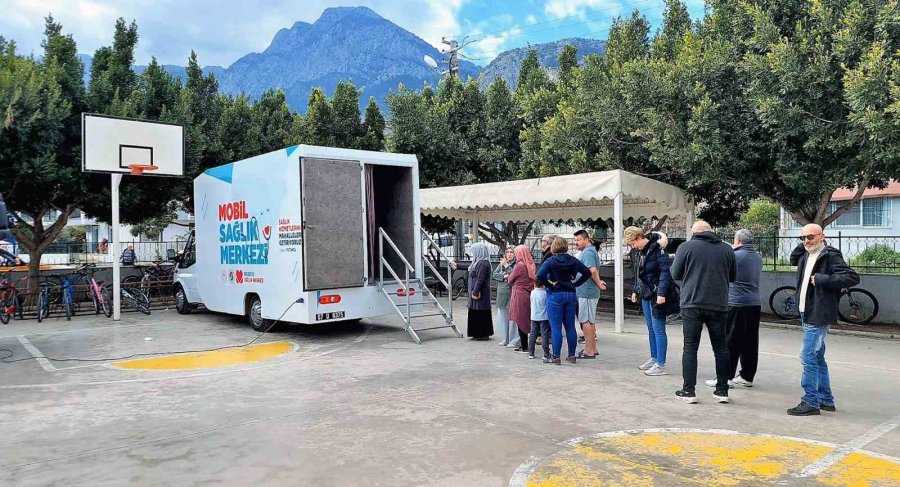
x=706, y=267
x=821, y=274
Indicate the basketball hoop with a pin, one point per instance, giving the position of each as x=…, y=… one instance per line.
x=138, y=169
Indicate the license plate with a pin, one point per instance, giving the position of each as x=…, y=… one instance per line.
x=334, y=315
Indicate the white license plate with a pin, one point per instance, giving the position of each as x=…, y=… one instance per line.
x=334, y=315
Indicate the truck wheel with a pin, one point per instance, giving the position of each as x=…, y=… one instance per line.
x=254, y=316
x=182, y=306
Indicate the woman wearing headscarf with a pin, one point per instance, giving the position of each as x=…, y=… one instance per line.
x=522, y=281
x=508, y=336
x=480, y=326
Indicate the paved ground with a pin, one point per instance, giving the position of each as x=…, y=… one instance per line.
x=362, y=405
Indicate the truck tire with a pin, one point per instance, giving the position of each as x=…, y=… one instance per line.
x=254, y=316
x=182, y=306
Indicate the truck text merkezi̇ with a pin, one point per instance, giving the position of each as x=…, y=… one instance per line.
x=239, y=236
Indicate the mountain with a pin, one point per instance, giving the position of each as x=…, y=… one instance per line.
x=344, y=43
x=506, y=64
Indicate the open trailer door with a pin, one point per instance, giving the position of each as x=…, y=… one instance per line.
x=333, y=226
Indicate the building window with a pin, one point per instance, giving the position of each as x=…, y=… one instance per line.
x=876, y=212
x=869, y=212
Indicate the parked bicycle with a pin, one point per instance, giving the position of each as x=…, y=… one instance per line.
x=10, y=304
x=99, y=295
x=856, y=305
x=43, y=302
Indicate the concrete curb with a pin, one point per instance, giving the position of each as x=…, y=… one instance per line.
x=852, y=333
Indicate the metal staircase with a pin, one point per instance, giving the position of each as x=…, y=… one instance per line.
x=410, y=296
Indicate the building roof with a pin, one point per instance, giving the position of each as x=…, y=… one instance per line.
x=843, y=194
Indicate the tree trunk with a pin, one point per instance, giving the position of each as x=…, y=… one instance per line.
x=818, y=213
x=39, y=241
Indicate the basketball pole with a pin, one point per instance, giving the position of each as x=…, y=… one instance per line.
x=117, y=270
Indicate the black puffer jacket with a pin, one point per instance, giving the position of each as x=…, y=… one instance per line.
x=831, y=275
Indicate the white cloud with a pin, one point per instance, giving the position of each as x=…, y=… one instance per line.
x=531, y=19
x=490, y=46
x=567, y=8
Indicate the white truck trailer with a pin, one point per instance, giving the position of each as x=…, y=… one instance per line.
x=310, y=235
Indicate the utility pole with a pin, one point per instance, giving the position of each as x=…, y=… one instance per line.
x=453, y=52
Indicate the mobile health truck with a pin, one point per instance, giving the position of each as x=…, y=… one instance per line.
x=310, y=235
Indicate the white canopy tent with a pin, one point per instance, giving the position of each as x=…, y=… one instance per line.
x=597, y=195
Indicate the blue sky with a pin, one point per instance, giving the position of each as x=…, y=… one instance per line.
x=221, y=31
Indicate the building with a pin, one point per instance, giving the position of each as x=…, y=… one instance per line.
x=872, y=221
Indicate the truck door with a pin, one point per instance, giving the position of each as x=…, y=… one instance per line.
x=333, y=225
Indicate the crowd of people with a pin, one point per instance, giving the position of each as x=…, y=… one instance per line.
x=708, y=282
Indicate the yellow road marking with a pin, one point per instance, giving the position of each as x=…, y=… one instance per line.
x=217, y=358
x=706, y=458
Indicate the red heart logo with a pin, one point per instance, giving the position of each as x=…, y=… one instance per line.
x=267, y=231
x=240, y=276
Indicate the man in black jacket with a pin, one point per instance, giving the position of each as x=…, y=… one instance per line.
x=705, y=266
x=821, y=274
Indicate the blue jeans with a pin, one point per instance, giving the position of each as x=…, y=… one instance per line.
x=815, y=381
x=656, y=326
x=561, y=311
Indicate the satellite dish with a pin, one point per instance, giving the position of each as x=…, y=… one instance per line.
x=430, y=62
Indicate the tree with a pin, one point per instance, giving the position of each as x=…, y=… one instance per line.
x=319, y=120
x=820, y=86
x=501, y=151
x=38, y=141
x=112, y=72
x=346, y=127
x=373, y=127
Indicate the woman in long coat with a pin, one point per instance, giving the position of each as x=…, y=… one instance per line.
x=507, y=331
x=480, y=326
x=522, y=281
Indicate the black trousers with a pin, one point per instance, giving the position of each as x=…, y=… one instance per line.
x=694, y=319
x=743, y=340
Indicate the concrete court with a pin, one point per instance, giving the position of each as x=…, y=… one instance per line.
x=362, y=405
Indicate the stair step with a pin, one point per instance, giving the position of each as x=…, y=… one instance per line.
x=426, y=315
x=432, y=328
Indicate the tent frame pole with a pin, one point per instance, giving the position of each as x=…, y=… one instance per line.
x=619, y=262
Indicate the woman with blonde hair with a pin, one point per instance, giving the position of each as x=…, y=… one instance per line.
x=655, y=290
x=522, y=282
x=558, y=274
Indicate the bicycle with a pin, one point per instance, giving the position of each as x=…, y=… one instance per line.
x=43, y=303
x=136, y=299
x=10, y=304
x=99, y=294
x=856, y=305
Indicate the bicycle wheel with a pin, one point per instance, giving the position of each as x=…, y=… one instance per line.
x=105, y=302
x=857, y=306
x=5, y=315
x=43, y=306
x=460, y=288
x=783, y=302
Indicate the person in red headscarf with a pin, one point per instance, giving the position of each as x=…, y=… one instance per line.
x=522, y=282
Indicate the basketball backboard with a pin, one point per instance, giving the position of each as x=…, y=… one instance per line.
x=127, y=146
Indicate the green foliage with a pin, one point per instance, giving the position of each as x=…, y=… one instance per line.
x=762, y=214
x=877, y=259
x=373, y=127
x=71, y=235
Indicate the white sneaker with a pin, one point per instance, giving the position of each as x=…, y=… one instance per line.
x=656, y=370
x=648, y=364
x=713, y=382
x=741, y=382
x=502, y=344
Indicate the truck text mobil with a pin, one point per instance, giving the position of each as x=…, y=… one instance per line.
x=239, y=236
x=294, y=235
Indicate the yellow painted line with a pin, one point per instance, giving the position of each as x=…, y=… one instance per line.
x=860, y=470
x=701, y=457
x=205, y=360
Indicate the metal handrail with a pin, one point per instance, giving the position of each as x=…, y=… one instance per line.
x=385, y=236
x=437, y=273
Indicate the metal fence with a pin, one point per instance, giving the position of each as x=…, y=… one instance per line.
x=866, y=254
x=73, y=253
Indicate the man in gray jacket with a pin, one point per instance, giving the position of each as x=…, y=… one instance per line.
x=705, y=266
x=743, y=312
